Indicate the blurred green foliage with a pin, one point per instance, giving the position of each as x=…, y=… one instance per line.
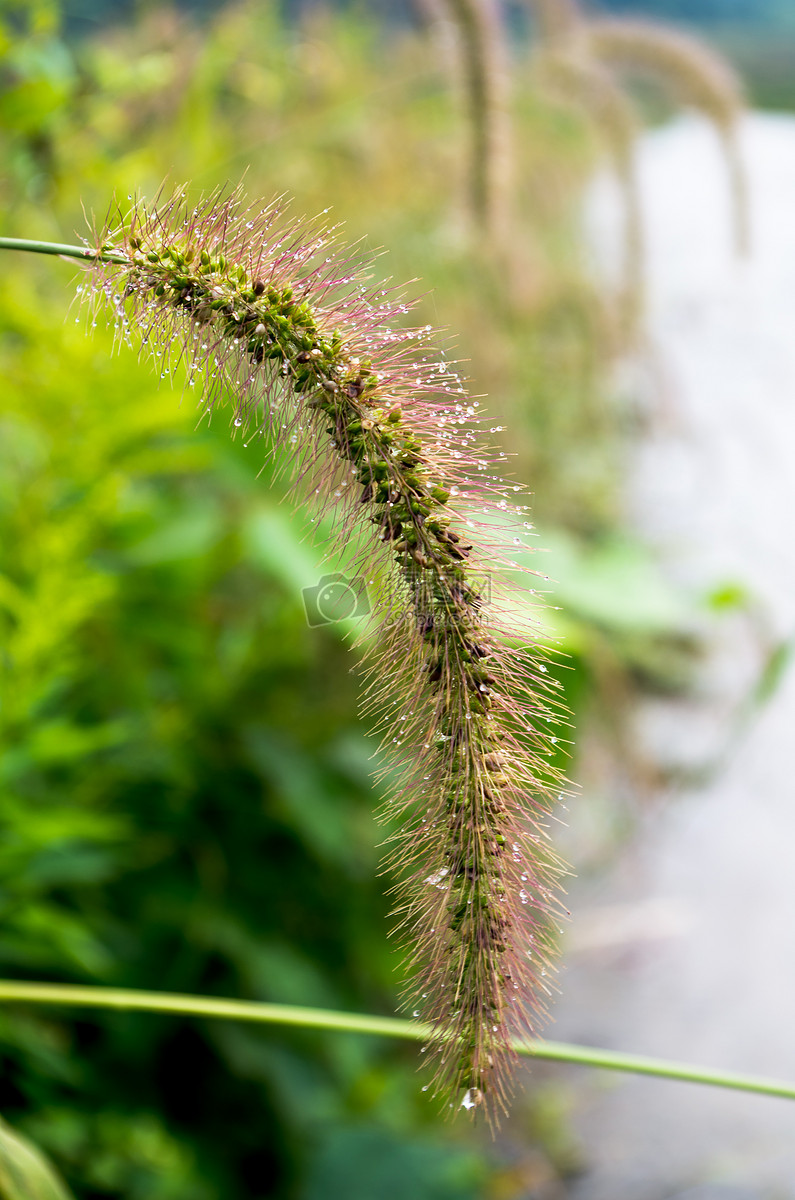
x=24, y=1173
x=185, y=789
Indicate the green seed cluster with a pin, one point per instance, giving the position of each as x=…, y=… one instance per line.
x=404, y=494
x=395, y=476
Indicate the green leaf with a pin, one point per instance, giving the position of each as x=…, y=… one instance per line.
x=616, y=585
x=25, y=1174
x=189, y=535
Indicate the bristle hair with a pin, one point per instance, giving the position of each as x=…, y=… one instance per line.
x=380, y=430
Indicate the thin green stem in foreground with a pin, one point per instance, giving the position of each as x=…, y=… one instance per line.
x=61, y=249
x=12, y=991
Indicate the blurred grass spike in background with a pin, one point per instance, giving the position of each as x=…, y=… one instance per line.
x=583, y=61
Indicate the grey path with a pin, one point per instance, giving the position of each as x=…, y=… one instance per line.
x=687, y=949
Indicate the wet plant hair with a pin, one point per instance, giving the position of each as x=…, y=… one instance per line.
x=381, y=430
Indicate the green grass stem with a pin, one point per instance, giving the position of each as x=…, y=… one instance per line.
x=61, y=249
x=124, y=1000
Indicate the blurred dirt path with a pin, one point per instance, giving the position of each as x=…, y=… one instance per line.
x=704, y=969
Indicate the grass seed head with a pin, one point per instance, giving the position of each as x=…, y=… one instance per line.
x=260, y=309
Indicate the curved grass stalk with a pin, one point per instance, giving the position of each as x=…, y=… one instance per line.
x=484, y=72
x=213, y=1008
x=556, y=18
x=575, y=79
x=588, y=56
x=694, y=74
x=381, y=430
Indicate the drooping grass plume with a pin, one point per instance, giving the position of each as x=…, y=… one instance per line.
x=694, y=74
x=582, y=61
x=482, y=65
x=381, y=430
x=577, y=80
x=556, y=18
x=585, y=59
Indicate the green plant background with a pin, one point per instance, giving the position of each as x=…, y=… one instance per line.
x=185, y=790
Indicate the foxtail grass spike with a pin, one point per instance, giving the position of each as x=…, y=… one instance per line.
x=556, y=18
x=584, y=57
x=577, y=80
x=695, y=75
x=484, y=74
x=383, y=434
